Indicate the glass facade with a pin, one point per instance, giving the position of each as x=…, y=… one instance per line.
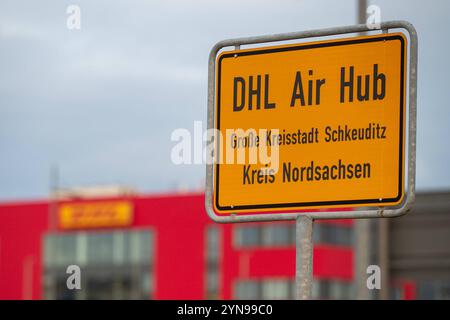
x=113, y=265
x=325, y=233
x=433, y=290
x=276, y=289
x=332, y=289
x=282, y=289
x=212, y=262
x=247, y=236
x=266, y=235
x=278, y=235
x=247, y=290
x=283, y=234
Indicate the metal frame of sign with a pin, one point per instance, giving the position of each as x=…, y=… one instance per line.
x=375, y=212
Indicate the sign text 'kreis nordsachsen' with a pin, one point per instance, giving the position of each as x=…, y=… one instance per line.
x=312, y=125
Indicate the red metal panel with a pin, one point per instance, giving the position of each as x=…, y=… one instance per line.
x=269, y=262
x=409, y=290
x=179, y=223
x=229, y=265
x=21, y=230
x=333, y=262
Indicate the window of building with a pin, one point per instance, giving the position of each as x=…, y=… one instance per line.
x=284, y=234
x=395, y=293
x=276, y=289
x=62, y=252
x=333, y=234
x=281, y=234
x=284, y=289
x=433, y=290
x=340, y=290
x=247, y=290
x=332, y=289
x=265, y=289
x=114, y=265
x=247, y=236
x=100, y=249
x=212, y=262
x=265, y=235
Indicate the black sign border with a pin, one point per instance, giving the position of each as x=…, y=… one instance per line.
x=371, y=202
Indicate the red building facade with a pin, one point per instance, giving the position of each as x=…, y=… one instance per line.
x=166, y=247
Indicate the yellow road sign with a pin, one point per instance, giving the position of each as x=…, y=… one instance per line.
x=311, y=125
x=104, y=214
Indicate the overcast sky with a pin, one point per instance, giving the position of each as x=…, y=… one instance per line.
x=101, y=102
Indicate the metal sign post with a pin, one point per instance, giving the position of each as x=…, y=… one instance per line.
x=304, y=258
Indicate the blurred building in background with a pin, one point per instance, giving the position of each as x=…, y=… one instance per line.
x=416, y=248
x=132, y=246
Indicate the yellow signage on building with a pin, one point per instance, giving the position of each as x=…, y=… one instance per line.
x=311, y=125
x=95, y=215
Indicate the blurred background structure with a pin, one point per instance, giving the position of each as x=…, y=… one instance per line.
x=165, y=247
